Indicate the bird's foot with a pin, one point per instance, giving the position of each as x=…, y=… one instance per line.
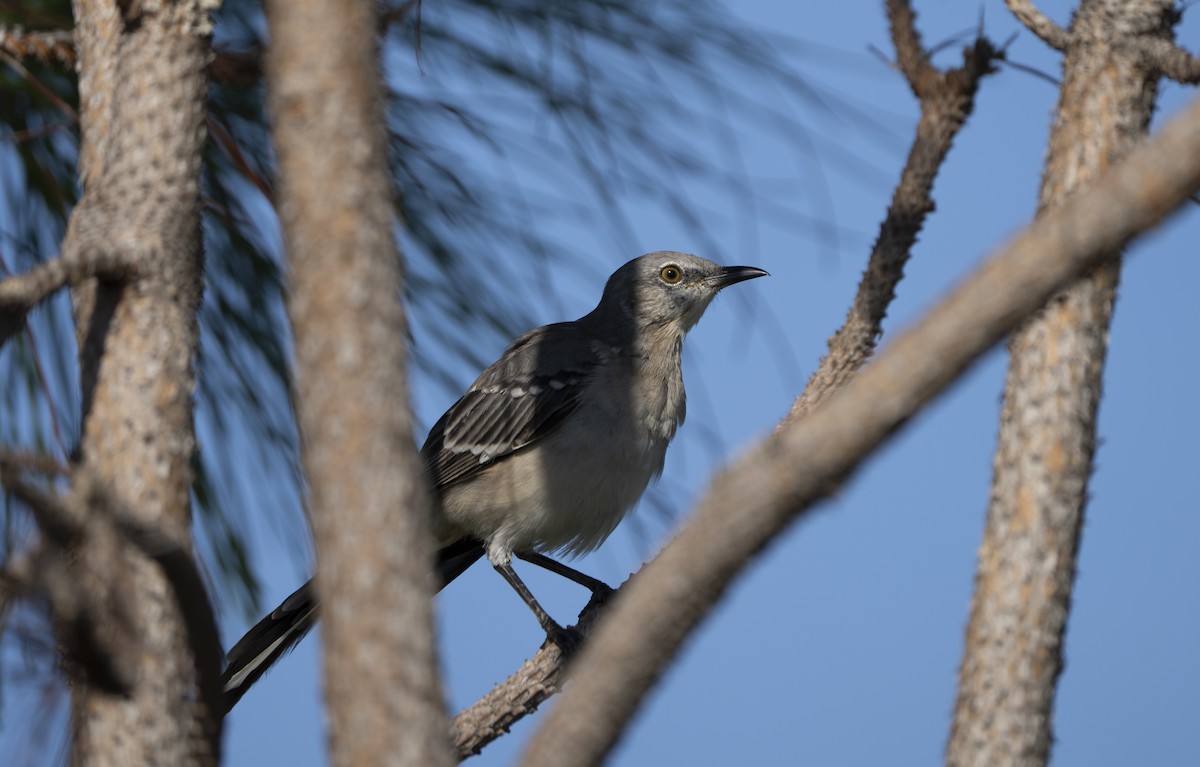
x=568, y=640
x=602, y=594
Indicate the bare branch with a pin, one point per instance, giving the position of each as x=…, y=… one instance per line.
x=87, y=634
x=95, y=640
x=1170, y=60
x=61, y=523
x=947, y=99
x=520, y=694
x=55, y=47
x=22, y=292
x=46, y=92
x=510, y=701
x=781, y=479
x=1039, y=23
x=66, y=526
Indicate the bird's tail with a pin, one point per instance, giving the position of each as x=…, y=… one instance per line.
x=280, y=631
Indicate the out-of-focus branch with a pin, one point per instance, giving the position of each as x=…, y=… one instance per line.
x=1039, y=23
x=58, y=521
x=68, y=523
x=94, y=642
x=778, y=481
x=142, y=76
x=370, y=505
x=55, y=47
x=229, y=66
x=39, y=462
x=43, y=89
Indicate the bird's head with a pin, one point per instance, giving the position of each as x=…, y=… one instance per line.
x=666, y=290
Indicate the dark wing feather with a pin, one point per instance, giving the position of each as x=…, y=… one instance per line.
x=520, y=399
x=280, y=631
x=549, y=367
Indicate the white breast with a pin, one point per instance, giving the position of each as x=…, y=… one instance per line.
x=568, y=492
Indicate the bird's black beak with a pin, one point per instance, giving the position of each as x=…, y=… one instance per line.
x=731, y=275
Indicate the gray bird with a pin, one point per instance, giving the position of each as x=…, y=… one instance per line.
x=551, y=446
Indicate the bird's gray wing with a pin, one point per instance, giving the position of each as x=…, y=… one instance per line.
x=520, y=399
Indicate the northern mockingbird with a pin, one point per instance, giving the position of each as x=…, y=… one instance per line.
x=552, y=444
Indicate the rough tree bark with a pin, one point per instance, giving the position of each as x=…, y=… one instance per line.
x=370, y=508
x=1013, y=654
x=142, y=84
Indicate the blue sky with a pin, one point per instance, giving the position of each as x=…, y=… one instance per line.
x=841, y=644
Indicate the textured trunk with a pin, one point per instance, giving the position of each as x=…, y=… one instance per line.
x=370, y=510
x=142, y=85
x=1013, y=654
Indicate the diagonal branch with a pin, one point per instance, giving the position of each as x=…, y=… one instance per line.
x=58, y=521
x=91, y=639
x=947, y=99
x=518, y=696
x=1039, y=23
x=782, y=478
x=65, y=526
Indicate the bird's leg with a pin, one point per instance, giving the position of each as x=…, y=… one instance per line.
x=565, y=639
x=599, y=588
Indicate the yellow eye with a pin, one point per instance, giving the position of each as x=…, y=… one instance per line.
x=671, y=274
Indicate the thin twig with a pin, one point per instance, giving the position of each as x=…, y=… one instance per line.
x=38, y=85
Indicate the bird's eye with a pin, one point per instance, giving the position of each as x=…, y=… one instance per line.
x=671, y=274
